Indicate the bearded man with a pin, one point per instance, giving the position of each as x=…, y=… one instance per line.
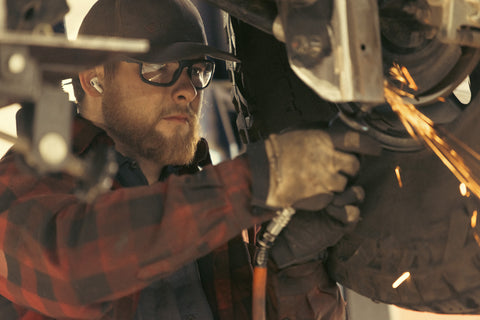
x=165, y=242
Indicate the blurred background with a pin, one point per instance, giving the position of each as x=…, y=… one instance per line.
x=219, y=129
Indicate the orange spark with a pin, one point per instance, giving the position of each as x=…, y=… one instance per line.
x=474, y=219
x=477, y=238
x=401, y=280
x=399, y=178
x=401, y=74
x=395, y=72
x=408, y=77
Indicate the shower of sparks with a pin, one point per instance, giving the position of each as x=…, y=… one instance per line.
x=401, y=74
x=474, y=219
x=399, y=177
x=401, y=280
x=460, y=159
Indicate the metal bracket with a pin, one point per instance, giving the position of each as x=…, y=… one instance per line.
x=458, y=21
x=340, y=56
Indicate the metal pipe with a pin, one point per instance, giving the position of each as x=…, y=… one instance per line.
x=261, y=258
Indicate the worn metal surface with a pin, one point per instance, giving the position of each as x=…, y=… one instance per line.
x=458, y=21
x=335, y=48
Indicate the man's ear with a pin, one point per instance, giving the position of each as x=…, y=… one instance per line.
x=92, y=81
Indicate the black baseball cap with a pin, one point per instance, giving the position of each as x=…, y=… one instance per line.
x=173, y=27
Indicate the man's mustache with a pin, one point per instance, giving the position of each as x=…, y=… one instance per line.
x=188, y=112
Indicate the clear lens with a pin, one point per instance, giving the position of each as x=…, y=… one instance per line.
x=160, y=73
x=200, y=72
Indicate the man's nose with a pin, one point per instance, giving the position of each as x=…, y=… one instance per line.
x=183, y=90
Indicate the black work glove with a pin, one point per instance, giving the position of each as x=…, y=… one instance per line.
x=309, y=233
x=303, y=292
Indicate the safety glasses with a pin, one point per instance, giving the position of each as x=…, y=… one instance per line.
x=166, y=74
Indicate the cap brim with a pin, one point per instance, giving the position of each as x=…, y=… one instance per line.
x=183, y=51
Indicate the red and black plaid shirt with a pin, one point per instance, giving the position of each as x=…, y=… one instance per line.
x=64, y=259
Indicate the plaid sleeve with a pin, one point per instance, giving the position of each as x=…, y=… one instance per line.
x=67, y=259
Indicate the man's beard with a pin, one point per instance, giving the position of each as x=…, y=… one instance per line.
x=139, y=135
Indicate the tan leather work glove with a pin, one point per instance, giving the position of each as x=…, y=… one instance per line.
x=304, y=164
x=305, y=168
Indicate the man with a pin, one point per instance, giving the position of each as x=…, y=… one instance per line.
x=165, y=242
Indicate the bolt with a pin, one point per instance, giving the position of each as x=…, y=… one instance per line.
x=307, y=46
x=53, y=148
x=17, y=63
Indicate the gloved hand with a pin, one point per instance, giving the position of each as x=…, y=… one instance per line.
x=304, y=164
x=305, y=167
x=303, y=292
x=298, y=283
x=309, y=233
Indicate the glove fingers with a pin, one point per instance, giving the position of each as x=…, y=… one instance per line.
x=309, y=233
x=312, y=232
x=305, y=238
x=352, y=195
x=346, y=163
x=344, y=205
x=314, y=203
x=335, y=182
x=347, y=214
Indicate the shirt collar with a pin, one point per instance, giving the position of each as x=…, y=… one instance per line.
x=86, y=134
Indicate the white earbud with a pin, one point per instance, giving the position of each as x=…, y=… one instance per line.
x=94, y=83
